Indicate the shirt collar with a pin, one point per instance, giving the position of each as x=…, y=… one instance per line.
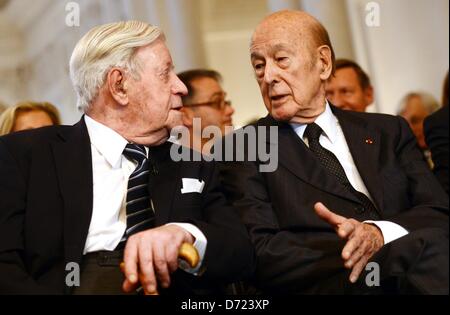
x=109, y=143
x=327, y=121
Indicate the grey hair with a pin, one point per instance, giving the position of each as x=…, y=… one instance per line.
x=104, y=47
x=428, y=100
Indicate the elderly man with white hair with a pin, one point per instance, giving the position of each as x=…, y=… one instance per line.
x=352, y=193
x=77, y=201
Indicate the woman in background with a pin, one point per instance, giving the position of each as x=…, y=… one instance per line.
x=2, y=107
x=28, y=115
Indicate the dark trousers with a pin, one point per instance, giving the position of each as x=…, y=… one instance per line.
x=100, y=274
x=414, y=264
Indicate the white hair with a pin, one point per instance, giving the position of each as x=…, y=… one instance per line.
x=429, y=102
x=104, y=47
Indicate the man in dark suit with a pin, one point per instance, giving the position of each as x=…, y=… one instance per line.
x=350, y=188
x=206, y=103
x=436, y=136
x=83, y=198
x=350, y=87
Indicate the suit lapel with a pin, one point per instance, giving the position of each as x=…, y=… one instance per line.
x=74, y=171
x=299, y=160
x=163, y=185
x=364, y=144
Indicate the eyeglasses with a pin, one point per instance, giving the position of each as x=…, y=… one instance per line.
x=218, y=103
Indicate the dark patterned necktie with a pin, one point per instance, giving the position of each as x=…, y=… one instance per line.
x=140, y=214
x=331, y=163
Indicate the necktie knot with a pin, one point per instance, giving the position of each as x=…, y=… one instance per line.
x=313, y=132
x=135, y=152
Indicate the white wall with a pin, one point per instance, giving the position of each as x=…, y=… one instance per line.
x=228, y=26
x=408, y=51
x=228, y=53
x=11, y=51
x=333, y=15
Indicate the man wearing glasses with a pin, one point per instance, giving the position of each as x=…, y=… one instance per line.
x=205, y=106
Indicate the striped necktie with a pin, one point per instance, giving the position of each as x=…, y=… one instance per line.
x=139, y=209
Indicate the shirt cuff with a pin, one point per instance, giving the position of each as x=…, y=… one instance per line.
x=390, y=230
x=199, y=244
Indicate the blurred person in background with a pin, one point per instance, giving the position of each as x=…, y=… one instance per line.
x=205, y=100
x=2, y=107
x=436, y=133
x=445, y=91
x=436, y=129
x=415, y=107
x=349, y=88
x=28, y=115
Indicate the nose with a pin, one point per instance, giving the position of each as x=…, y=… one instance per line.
x=229, y=110
x=337, y=99
x=270, y=73
x=179, y=87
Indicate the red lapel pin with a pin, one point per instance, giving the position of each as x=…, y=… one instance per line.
x=369, y=141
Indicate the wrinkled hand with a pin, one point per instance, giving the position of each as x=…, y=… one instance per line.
x=363, y=240
x=151, y=256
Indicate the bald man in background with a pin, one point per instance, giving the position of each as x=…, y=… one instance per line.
x=415, y=107
x=350, y=187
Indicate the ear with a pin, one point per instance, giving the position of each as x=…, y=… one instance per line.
x=188, y=116
x=326, y=66
x=368, y=93
x=117, y=85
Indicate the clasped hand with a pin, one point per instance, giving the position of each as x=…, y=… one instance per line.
x=363, y=239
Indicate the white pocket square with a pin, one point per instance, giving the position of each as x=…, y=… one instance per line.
x=192, y=185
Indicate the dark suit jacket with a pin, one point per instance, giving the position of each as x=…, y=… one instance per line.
x=436, y=135
x=46, y=202
x=295, y=249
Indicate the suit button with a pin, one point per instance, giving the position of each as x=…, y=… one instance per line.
x=359, y=209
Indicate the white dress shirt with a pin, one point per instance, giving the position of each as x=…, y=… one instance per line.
x=333, y=139
x=111, y=170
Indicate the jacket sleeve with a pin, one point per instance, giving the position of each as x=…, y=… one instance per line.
x=287, y=260
x=429, y=202
x=229, y=253
x=14, y=278
x=436, y=132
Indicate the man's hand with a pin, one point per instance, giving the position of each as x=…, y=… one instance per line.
x=151, y=256
x=363, y=240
